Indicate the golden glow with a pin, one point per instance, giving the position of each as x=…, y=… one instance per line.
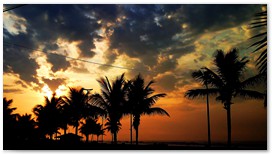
x=46, y=91
x=184, y=26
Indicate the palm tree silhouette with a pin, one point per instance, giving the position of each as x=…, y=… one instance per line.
x=77, y=101
x=99, y=130
x=88, y=127
x=260, y=22
x=141, y=100
x=65, y=116
x=203, y=77
x=8, y=110
x=9, y=122
x=112, y=101
x=48, y=115
x=26, y=127
x=226, y=82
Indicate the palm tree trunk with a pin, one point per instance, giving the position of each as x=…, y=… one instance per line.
x=51, y=136
x=208, y=117
x=76, y=130
x=115, y=137
x=130, y=128
x=87, y=138
x=92, y=138
x=102, y=127
x=229, y=124
x=65, y=130
x=97, y=138
x=136, y=132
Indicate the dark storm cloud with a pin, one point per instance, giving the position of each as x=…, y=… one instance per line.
x=149, y=30
x=203, y=18
x=65, y=21
x=58, y=62
x=144, y=33
x=45, y=24
x=17, y=61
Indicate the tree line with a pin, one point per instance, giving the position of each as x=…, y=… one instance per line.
x=81, y=109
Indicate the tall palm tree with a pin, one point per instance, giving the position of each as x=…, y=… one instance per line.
x=203, y=77
x=227, y=82
x=47, y=115
x=142, y=100
x=112, y=99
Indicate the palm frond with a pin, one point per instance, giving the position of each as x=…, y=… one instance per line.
x=194, y=93
x=253, y=80
x=215, y=80
x=156, y=110
x=260, y=46
x=152, y=99
x=250, y=94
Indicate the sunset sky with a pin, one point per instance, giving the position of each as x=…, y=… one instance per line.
x=165, y=43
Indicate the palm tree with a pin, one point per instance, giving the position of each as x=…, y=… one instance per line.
x=141, y=100
x=203, y=77
x=79, y=106
x=99, y=130
x=112, y=101
x=48, y=115
x=88, y=127
x=65, y=116
x=76, y=101
x=227, y=82
x=260, y=22
x=26, y=127
x=8, y=110
x=9, y=121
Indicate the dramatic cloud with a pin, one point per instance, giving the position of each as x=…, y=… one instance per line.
x=157, y=35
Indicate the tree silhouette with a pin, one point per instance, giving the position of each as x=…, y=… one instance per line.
x=260, y=23
x=26, y=127
x=141, y=101
x=77, y=102
x=48, y=115
x=9, y=121
x=65, y=116
x=203, y=77
x=88, y=127
x=99, y=130
x=227, y=82
x=112, y=101
x=79, y=106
